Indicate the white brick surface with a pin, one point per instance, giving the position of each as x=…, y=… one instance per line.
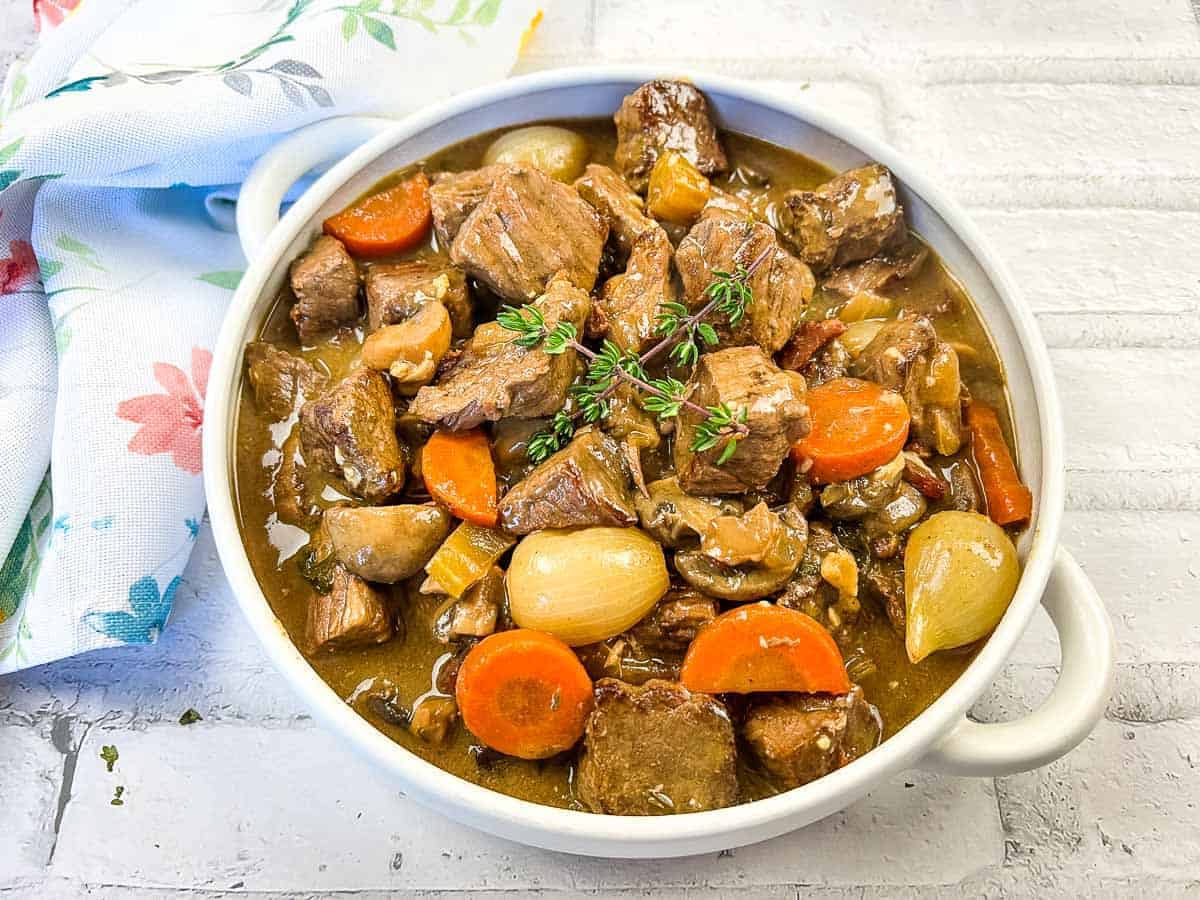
x=1071, y=130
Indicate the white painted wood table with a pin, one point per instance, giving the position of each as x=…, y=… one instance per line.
x=1071, y=130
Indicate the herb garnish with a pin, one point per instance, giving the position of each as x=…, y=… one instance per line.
x=682, y=333
x=116, y=800
x=109, y=754
x=190, y=717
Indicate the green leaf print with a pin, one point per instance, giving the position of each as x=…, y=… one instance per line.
x=78, y=248
x=19, y=571
x=349, y=26
x=49, y=267
x=7, y=177
x=227, y=280
x=486, y=13
x=9, y=151
x=380, y=31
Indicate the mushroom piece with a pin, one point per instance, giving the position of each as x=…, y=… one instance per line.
x=747, y=557
x=386, y=543
x=676, y=518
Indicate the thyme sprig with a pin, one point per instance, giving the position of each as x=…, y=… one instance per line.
x=729, y=294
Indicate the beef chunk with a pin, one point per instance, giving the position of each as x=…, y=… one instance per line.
x=906, y=356
x=776, y=415
x=830, y=362
x=656, y=749
x=800, y=737
x=495, y=377
x=395, y=291
x=527, y=228
x=351, y=431
x=665, y=115
x=279, y=379
x=325, y=282
x=855, y=216
x=810, y=593
x=291, y=489
x=891, y=353
x=675, y=620
x=386, y=543
x=782, y=285
x=630, y=301
x=454, y=195
x=883, y=580
x=620, y=207
x=807, y=339
x=585, y=483
x=876, y=273
x=352, y=614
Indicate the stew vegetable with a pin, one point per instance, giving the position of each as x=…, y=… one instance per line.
x=640, y=469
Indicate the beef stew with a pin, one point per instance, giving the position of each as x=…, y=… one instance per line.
x=667, y=443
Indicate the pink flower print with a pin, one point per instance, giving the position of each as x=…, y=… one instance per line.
x=52, y=12
x=19, y=269
x=171, y=422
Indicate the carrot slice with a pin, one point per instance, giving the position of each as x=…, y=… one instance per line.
x=763, y=647
x=857, y=426
x=524, y=693
x=391, y=221
x=1009, y=500
x=459, y=473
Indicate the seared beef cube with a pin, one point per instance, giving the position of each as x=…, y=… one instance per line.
x=828, y=363
x=782, y=285
x=812, y=593
x=620, y=207
x=351, y=431
x=396, y=291
x=279, y=379
x=352, y=614
x=724, y=203
x=776, y=414
x=807, y=339
x=630, y=301
x=587, y=482
x=665, y=115
x=325, y=282
x=496, y=377
x=656, y=749
x=855, y=216
x=290, y=488
x=454, y=195
x=387, y=543
x=800, y=737
x=883, y=580
x=675, y=620
x=876, y=273
x=893, y=350
x=527, y=228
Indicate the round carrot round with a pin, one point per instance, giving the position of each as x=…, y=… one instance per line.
x=391, y=221
x=763, y=647
x=459, y=473
x=524, y=693
x=857, y=426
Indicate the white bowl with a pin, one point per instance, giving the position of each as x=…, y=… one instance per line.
x=941, y=738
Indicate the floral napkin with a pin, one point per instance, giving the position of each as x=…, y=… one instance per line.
x=119, y=140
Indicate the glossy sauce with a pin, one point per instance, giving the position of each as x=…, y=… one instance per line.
x=409, y=663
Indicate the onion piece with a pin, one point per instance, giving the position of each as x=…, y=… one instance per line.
x=585, y=585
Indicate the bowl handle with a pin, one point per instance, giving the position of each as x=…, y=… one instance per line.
x=285, y=163
x=1075, y=704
